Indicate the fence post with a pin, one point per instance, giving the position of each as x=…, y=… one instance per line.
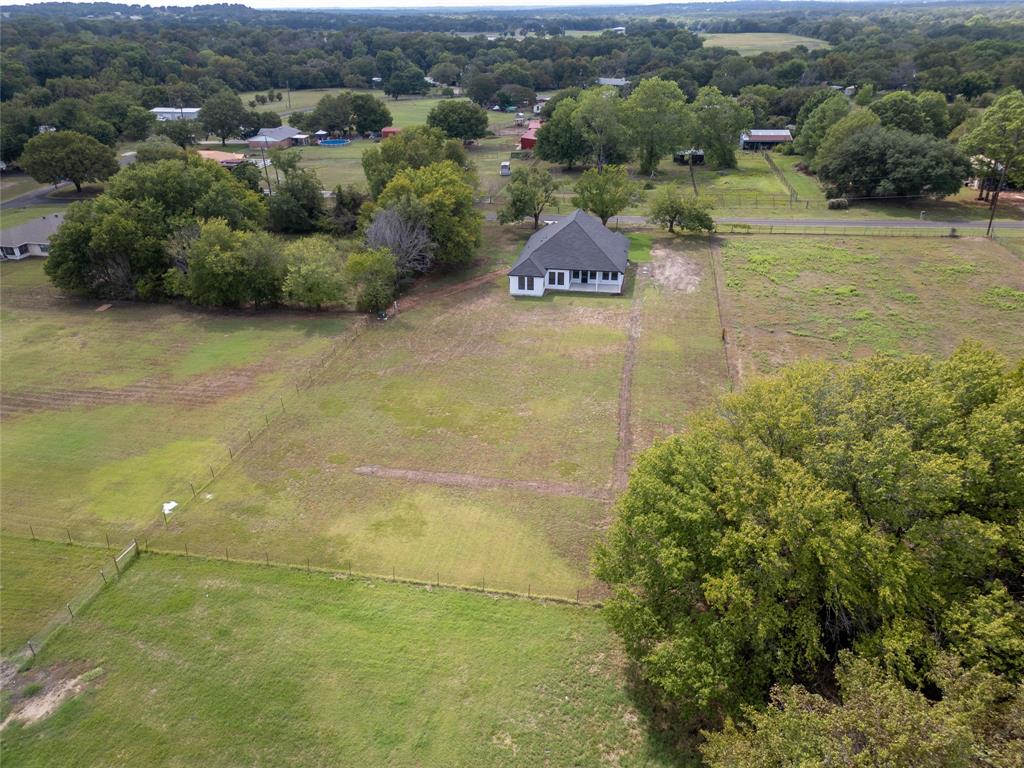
x=266, y=557
x=69, y=535
x=193, y=488
x=72, y=613
x=31, y=649
x=33, y=532
x=212, y=475
x=107, y=536
x=529, y=590
x=117, y=567
x=226, y=554
x=349, y=567
x=577, y=597
x=267, y=419
x=103, y=575
x=392, y=573
x=282, y=404
x=307, y=565
x=250, y=436
x=231, y=453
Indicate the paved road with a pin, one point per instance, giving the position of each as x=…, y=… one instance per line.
x=42, y=196
x=837, y=222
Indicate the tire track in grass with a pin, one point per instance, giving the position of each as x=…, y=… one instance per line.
x=460, y=480
x=624, y=450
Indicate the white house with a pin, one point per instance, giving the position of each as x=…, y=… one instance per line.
x=29, y=239
x=164, y=114
x=577, y=253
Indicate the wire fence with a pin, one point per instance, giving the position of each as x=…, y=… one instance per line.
x=342, y=567
x=793, y=196
x=852, y=229
x=116, y=567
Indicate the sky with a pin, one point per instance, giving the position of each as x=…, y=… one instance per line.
x=384, y=4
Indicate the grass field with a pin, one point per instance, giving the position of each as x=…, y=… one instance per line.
x=843, y=297
x=13, y=185
x=265, y=666
x=753, y=43
x=38, y=578
x=108, y=414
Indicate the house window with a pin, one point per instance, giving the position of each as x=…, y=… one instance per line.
x=8, y=251
x=575, y=274
x=529, y=283
x=606, y=275
x=522, y=283
x=44, y=248
x=22, y=249
x=561, y=278
x=593, y=274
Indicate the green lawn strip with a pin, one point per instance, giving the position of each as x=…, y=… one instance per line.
x=38, y=578
x=640, y=247
x=846, y=297
x=806, y=186
x=279, y=667
x=680, y=365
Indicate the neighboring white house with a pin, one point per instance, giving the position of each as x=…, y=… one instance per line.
x=618, y=82
x=29, y=239
x=577, y=253
x=164, y=114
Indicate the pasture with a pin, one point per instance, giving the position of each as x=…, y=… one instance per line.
x=107, y=414
x=273, y=666
x=835, y=297
x=753, y=43
x=37, y=579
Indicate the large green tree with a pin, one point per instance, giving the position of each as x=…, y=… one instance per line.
x=407, y=81
x=223, y=115
x=840, y=131
x=462, y=120
x=529, y=192
x=658, y=121
x=669, y=207
x=441, y=191
x=888, y=162
x=999, y=137
x=825, y=115
x=560, y=140
x=902, y=110
x=879, y=721
x=599, y=117
x=869, y=507
x=607, y=192
x=67, y=156
x=718, y=122
x=414, y=147
x=316, y=273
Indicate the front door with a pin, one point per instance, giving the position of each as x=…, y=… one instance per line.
x=585, y=275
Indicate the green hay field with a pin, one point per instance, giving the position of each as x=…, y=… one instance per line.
x=844, y=297
x=201, y=663
x=753, y=43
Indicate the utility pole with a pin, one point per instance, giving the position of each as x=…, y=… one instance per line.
x=995, y=200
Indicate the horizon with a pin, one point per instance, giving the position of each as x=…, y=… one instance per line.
x=426, y=5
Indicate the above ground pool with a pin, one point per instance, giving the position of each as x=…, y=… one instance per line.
x=334, y=142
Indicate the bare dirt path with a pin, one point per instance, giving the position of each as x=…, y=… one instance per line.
x=433, y=294
x=459, y=480
x=623, y=453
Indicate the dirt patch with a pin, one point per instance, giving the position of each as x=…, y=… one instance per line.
x=433, y=294
x=487, y=483
x=55, y=686
x=674, y=271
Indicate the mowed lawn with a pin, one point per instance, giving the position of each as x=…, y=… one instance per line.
x=108, y=414
x=846, y=297
x=202, y=663
x=37, y=578
x=753, y=43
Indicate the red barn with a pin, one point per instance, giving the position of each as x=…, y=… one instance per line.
x=529, y=139
x=389, y=131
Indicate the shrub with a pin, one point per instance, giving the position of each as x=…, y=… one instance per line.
x=838, y=204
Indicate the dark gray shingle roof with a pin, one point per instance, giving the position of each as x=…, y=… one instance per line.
x=35, y=231
x=579, y=241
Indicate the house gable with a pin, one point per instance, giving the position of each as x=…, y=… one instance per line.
x=578, y=242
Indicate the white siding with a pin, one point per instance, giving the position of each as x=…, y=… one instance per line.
x=515, y=290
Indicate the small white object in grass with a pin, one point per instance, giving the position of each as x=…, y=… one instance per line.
x=169, y=507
